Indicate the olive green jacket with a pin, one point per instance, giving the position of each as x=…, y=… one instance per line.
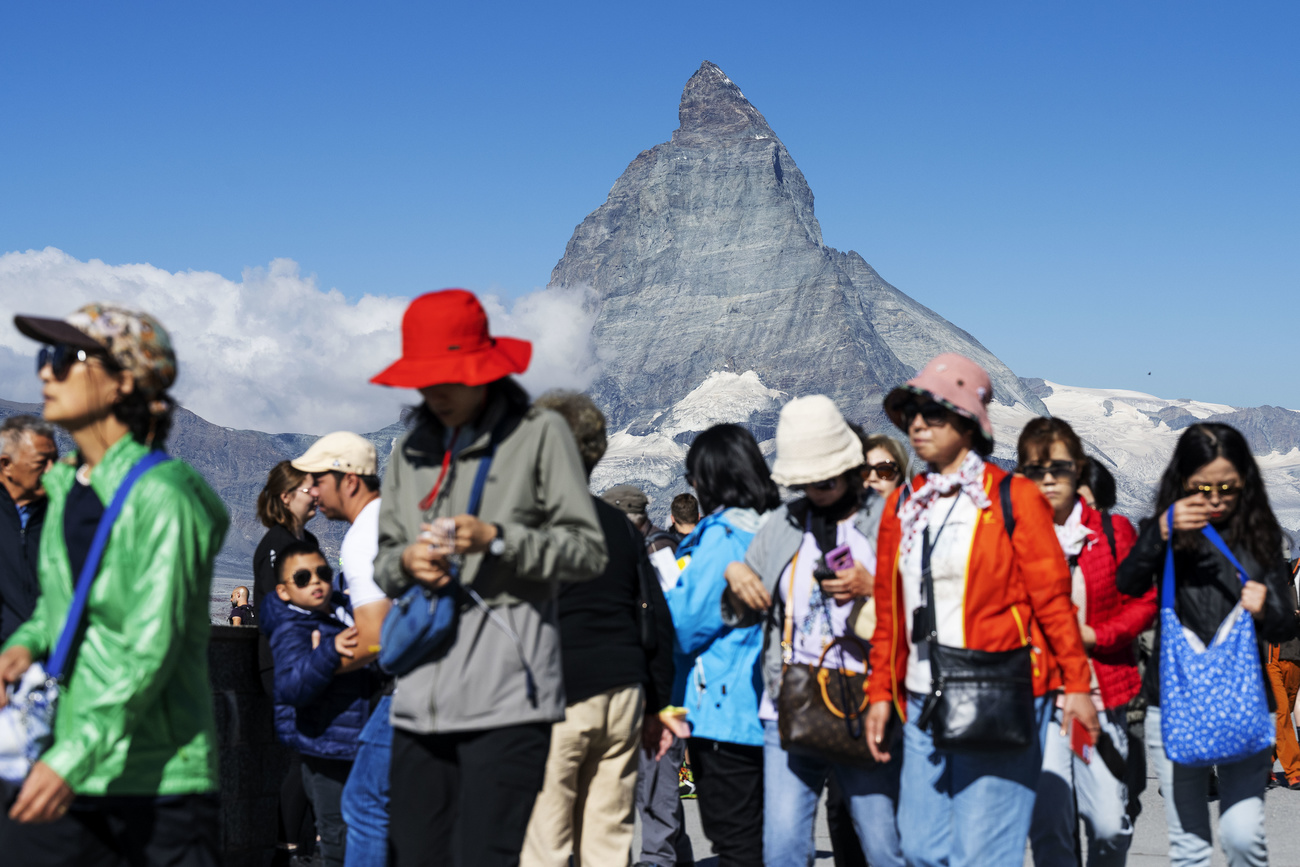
x=135, y=713
x=536, y=491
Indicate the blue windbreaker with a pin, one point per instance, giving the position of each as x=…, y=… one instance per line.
x=717, y=676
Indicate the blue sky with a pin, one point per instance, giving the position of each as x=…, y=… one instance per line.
x=1094, y=190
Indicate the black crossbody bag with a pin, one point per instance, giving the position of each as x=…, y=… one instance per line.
x=979, y=701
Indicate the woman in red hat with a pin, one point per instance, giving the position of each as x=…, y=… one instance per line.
x=492, y=493
x=974, y=629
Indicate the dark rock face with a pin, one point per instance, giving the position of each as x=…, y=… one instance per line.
x=1266, y=428
x=707, y=257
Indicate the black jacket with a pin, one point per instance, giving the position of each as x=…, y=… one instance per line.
x=18, y=556
x=1206, y=588
x=600, y=633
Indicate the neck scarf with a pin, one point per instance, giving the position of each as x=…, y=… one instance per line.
x=1072, y=534
x=969, y=480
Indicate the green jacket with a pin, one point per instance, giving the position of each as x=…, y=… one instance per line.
x=135, y=713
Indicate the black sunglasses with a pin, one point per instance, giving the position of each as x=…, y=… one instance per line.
x=60, y=357
x=931, y=412
x=886, y=470
x=1224, y=490
x=1058, y=470
x=303, y=576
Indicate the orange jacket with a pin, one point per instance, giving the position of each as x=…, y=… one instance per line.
x=1017, y=593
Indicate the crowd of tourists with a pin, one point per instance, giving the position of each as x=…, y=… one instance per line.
x=970, y=659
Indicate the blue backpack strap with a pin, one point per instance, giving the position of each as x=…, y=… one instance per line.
x=63, y=648
x=1167, y=585
x=480, y=477
x=1213, y=535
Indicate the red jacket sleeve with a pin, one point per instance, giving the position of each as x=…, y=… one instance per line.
x=880, y=683
x=1046, y=578
x=1135, y=614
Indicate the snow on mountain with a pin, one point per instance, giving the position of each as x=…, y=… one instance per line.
x=655, y=459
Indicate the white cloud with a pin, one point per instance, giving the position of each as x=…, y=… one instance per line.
x=274, y=351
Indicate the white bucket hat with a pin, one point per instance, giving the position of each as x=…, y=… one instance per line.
x=813, y=442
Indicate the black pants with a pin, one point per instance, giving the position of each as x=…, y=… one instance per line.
x=729, y=790
x=464, y=799
x=323, y=781
x=179, y=831
x=845, y=845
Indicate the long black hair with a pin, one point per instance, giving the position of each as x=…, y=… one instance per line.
x=727, y=469
x=1251, y=524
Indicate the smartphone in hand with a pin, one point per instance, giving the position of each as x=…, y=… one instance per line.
x=839, y=559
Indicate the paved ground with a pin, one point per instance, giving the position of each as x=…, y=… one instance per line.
x=1150, y=843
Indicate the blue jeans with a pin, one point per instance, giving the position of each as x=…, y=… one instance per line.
x=1187, y=813
x=964, y=809
x=792, y=785
x=365, y=797
x=1101, y=800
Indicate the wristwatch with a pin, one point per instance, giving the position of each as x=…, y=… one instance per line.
x=497, y=546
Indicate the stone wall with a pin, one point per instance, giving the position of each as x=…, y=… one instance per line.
x=252, y=763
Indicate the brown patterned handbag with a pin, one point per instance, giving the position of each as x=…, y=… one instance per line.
x=822, y=710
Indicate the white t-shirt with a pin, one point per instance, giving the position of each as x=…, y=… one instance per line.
x=948, y=563
x=357, y=556
x=811, y=632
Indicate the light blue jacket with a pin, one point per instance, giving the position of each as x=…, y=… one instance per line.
x=717, y=674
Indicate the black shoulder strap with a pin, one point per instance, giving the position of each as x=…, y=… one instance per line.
x=903, y=494
x=1008, y=511
x=1108, y=527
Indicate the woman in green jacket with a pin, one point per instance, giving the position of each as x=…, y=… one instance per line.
x=131, y=775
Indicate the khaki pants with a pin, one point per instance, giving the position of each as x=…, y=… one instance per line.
x=586, y=803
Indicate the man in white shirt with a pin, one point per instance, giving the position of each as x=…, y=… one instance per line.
x=346, y=473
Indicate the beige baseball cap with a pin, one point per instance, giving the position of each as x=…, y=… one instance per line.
x=341, y=451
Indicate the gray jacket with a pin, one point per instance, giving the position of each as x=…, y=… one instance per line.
x=536, y=490
x=772, y=549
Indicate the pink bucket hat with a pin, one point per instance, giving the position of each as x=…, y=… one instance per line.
x=952, y=380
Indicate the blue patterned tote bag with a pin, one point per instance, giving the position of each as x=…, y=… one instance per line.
x=1212, y=704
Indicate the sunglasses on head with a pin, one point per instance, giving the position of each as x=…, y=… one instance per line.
x=931, y=412
x=60, y=357
x=302, y=577
x=884, y=471
x=1057, y=469
x=1224, y=490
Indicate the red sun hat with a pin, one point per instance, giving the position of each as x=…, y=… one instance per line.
x=445, y=339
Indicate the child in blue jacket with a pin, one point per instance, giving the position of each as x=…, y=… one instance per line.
x=319, y=710
x=718, y=678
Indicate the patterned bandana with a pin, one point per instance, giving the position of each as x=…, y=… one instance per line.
x=915, y=516
x=136, y=342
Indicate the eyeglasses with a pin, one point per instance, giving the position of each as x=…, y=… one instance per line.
x=828, y=485
x=1056, y=469
x=933, y=413
x=885, y=471
x=1224, y=490
x=303, y=576
x=60, y=357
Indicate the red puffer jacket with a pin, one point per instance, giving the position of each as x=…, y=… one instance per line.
x=1116, y=618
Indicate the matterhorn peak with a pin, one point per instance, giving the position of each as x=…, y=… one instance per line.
x=713, y=110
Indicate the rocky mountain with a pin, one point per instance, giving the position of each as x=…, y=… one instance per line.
x=707, y=258
x=717, y=300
